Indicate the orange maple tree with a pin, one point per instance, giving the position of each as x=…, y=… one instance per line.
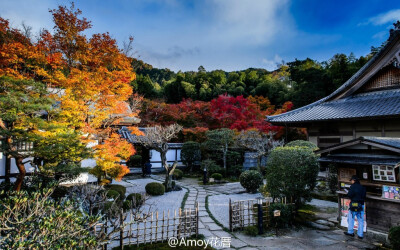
x=89, y=79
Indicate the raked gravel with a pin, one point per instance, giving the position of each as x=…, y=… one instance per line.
x=219, y=205
x=169, y=201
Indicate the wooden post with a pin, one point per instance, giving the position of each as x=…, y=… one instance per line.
x=230, y=215
x=162, y=228
x=121, y=233
x=151, y=229
x=197, y=219
x=156, y=225
x=105, y=232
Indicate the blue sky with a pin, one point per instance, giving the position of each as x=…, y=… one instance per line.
x=227, y=34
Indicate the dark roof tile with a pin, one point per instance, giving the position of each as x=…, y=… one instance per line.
x=372, y=104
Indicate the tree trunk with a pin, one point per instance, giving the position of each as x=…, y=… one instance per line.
x=167, y=170
x=22, y=173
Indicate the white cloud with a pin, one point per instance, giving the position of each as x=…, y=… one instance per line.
x=251, y=22
x=272, y=64
x=384, y=18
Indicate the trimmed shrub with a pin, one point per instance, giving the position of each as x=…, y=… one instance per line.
x=155, y=188
x=235, y=170
x=134, y=161
x=177, y=174
x=301, y=143
x=233, y=158
x=134, y=199
x=112, y=194
x=211, y=167
x=217, y=176
x=119, y=188
x=47, y=224
x=190, y=153
x=264, y=191
x=394, y=237
x=251, y=180
x=251, y=230
x=59, y=192
x=286, y=217
x=292, y=172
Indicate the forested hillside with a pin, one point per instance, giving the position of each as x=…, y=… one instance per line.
x=299, y=81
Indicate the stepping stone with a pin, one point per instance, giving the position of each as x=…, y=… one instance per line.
x=203, y=214
x=333, y=220
x=317, y=226
x=201, y=225
x=325, y=223
x=206, y=220
x=213, y=227
x=222, y=233
x=237, y=243
x=205, y=232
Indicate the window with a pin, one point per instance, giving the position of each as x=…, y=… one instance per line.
x=383, y=173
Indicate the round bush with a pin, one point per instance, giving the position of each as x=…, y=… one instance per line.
x=155, y=188
x=394, y=237
x=251, y=180
x=292, y=173
x=134, y=200
x=134, y=161
x=119, y=188
x=112, y=194
x=301, y=143
x=177, y=175
x=217, y=176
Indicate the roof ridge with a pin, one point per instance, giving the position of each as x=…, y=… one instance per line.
x=393, y=34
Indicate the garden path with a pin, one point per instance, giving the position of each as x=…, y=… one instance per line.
x=301, y=239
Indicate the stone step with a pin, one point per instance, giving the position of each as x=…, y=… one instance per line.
x=325, y=223
x=317, y=226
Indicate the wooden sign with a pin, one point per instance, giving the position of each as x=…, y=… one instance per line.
x=277, y=213
x=346, y=173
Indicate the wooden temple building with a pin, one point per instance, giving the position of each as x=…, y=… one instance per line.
x=357, y=129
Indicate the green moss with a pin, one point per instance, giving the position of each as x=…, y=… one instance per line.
x=185, y=199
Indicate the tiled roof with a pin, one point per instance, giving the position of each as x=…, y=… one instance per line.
x=324, y=109
x=126, y=134
x=387, y=141
x=360, y=159
x=372, y=104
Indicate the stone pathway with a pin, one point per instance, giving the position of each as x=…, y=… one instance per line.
x=207, y=226
x=301, y=239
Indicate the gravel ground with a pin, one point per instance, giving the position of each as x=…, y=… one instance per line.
x=219, y=205
x=168, y=201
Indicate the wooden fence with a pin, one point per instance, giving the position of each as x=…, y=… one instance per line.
x=156, y=227
x=245, y=213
